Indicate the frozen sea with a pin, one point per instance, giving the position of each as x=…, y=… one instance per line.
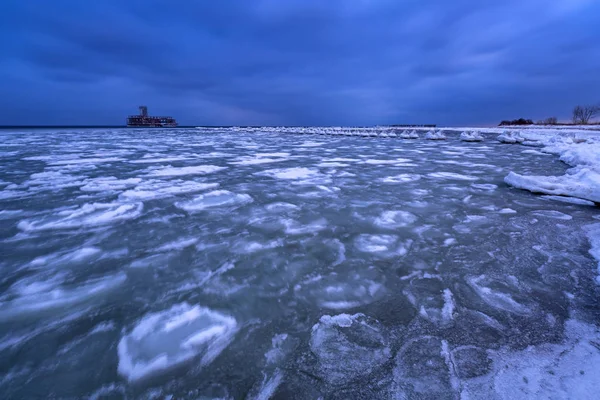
x=205, y=264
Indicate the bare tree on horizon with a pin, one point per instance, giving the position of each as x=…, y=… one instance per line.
x=583, y=114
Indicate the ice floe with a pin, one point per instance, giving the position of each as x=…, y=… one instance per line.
x=166, y=339
x=472, y=136
x=214, y=199
x=156, y=189
x=183, y=171
x=88, y=215
x=348, y=347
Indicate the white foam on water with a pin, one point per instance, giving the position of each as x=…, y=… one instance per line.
x=183, y=171
x=507, y=211
x=166, y=339
x=157, y=189
x=88, y=215
x=395, y=219
x=402, y=178
x=553, y=214
x=103, y=184
x=452, y=176
x=214, y=199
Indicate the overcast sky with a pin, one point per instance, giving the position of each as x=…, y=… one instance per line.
x=297, y=62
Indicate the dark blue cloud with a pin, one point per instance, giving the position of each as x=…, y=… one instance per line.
x=297, y=62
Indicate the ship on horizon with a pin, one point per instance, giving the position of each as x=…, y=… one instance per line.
x=143, y=120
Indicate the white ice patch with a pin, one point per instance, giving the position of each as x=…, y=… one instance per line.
x=332, y=165
x=214, y=199
x=39, y=296
x=395, y=219
x=499, y=294
x=293, y=227
x=552, y=214
x=291, y=173
x=158, y=160
x=471, y=136
x=402, y=178
x=452, y=176
x=584, y=184
x=74, y=161
x=548, y=371
x=387, y=162
x=385, y=246
x=593, y=235
x=484, y=186
x=570, y=200
x=109, y=183
x=166, y=339
x=157, y=189
x=281, y=207
x=183, y=171
x=88, y=215
x=435, y=135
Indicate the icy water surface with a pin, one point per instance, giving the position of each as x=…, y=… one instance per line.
x=144, y=264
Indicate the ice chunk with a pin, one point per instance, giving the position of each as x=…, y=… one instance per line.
x=291, y=173
x=434, y=302
x=435, y=135
x=571, y=200
x=182, y=171
x=395, y=219
x=166, y=339
x=156, y=189
x=385, y=246
x=584, y=184
x=109, y=183
x=409, y=135
x=88, y=215
x=471, y=136
x=33, y=296
x=510, y=138
x=484, y=186
x=348, y=347
x=342, y=291
x=552, y=214
x=501, y=294
x=402, y=178
x=452, y=176
x=217, y=198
